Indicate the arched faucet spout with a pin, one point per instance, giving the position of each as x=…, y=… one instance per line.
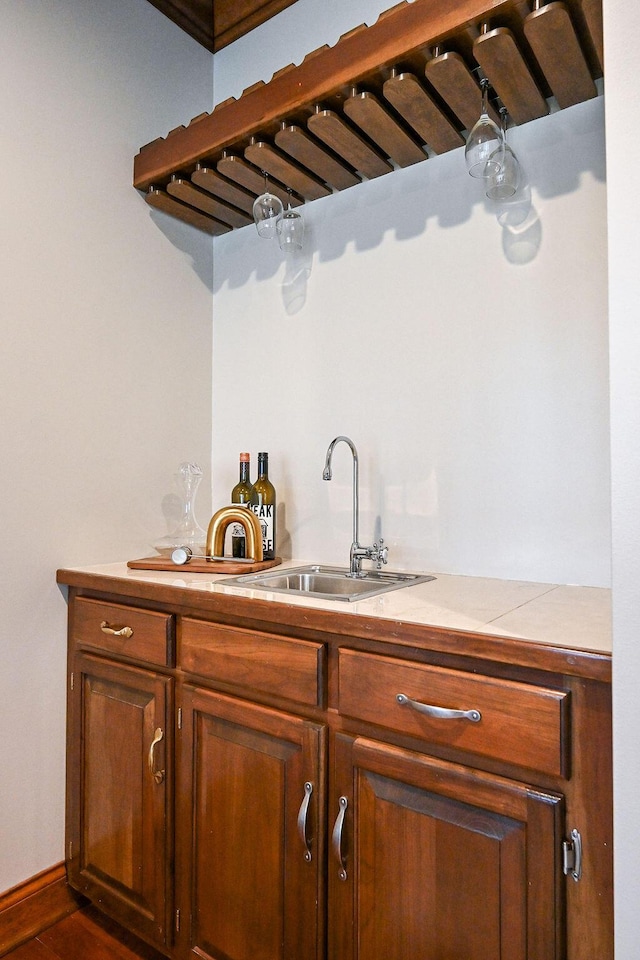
x=326, y=473
x=355, y=562
x=357, y=552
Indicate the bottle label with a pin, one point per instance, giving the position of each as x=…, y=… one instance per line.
x=265, y=514
x=238, y=538
x=237, y=530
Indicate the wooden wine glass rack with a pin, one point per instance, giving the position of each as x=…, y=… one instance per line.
x=384, y=96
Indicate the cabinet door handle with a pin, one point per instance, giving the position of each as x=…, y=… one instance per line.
x=440, y=713
x=158, y=775
x=336, y=837
x=116, y=631
x=303, y=813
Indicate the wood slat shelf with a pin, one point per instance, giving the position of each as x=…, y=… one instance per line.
x=384, y=96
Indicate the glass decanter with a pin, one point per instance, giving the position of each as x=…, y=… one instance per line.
x=188, y=533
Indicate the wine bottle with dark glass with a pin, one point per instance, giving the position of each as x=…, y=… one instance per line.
x=263, y=504
x=241, y=493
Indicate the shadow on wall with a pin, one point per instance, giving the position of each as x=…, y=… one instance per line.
x=521, y=224
x=399, y=207
x=554, y=153
x=517, y=216
x=183, y=238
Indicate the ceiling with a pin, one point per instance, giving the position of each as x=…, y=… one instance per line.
x=216, y=23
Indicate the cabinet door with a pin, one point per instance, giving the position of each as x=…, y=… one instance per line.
x=434, y=860
x=118, y=813
x=250, y=831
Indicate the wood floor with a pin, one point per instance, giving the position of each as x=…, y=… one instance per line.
x=85, y=935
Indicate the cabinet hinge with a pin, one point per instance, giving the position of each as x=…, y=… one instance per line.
x=178, y=921
x=572, y=855
x=71, y=680
x=70, y=849
x=179, y=718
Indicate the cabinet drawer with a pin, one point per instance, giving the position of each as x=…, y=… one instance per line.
x=123, y=631
x=519, y=723
x=258, y=662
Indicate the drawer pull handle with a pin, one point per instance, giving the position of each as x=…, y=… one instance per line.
x=440, y=713
x=336, y=837
x=302, y=820
x=158, y=775
x=116, y=631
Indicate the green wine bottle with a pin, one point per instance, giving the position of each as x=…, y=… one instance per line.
x=263, y=504
x=241, y=493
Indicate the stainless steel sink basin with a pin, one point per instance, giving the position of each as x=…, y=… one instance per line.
x=326, y=583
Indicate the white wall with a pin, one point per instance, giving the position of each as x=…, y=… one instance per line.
x=622, y=36
x=468, y=362
x=105, y=314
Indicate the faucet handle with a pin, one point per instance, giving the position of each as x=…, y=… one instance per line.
x=379, y=553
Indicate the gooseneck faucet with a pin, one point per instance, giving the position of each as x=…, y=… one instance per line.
x=377, y=552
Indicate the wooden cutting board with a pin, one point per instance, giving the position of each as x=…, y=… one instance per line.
x=200, y=565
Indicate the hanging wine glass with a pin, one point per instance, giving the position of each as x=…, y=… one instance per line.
x=267, y=211
x=504, y=183
x=485, y=145
x=290, y=229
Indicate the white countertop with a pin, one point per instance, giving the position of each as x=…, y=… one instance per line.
x=564, y=616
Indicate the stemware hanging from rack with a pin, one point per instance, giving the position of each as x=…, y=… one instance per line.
x=267, y=212
x=290, y=229
x=505, y=182
x=484, y=151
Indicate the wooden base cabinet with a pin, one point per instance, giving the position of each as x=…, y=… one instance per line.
x=254, y=783
x=119, y=816
x=249, y=812
x=434, y=860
